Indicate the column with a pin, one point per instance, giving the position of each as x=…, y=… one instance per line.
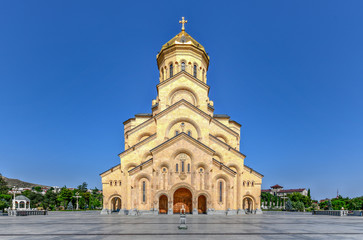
x=239, y=188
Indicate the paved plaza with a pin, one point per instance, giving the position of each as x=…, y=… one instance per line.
x=91, y=225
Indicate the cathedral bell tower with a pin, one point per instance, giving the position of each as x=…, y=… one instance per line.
x=183, y=55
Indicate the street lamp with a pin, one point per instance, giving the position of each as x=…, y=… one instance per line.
x=14, y=190
x=77, y=196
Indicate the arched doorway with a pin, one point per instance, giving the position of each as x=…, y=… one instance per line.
x=163, y=204
x=248, y=204
x=202, y=204
x=182, y=196
x=115, y=204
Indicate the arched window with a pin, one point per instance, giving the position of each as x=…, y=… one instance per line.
x=176, y=168
x=189, y=133
x=195, y=71
x=115, y=183
x=188, y=167
x=110, y=183
x=244, y=183
x=119, y=183
x=220, y=191
x=162, y=74
x=171, y=70
x=143, y=191
x=176, y=133
x=248, y=183
x=183, y=66
x=252, y=184
x=182, y=163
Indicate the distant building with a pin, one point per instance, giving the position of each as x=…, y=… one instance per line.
x=279, y=191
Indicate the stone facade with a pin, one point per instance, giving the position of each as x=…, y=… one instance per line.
x=181, y=153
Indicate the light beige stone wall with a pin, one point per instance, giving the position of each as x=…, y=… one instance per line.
x=182, y=130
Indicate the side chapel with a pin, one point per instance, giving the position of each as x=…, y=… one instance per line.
x=181, y=153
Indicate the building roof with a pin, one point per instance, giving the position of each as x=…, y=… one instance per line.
x=292, y=190
x=265, y=190
x=144, y=115
x=221, y=116
x=276, y=186
x=22, y=197
x=183, y=38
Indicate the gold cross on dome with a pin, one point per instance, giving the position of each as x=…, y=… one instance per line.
x=182, y=22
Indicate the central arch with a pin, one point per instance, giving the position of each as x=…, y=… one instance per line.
x=182, y=196
x=115, y=204
x=248, y=204
x=163, y=204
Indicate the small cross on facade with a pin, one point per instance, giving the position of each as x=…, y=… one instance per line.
x=183, y=22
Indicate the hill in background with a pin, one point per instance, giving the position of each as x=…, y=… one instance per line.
x=11, y=182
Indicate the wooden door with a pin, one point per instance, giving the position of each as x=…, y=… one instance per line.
x=182, y=197
x=163, y=204
x=202, y=204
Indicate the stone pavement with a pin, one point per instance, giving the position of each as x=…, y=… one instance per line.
x=91, y=225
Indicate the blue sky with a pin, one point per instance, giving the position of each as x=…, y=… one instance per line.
x=289, y=71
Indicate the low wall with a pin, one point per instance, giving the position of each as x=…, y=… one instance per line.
x=27, y=212
x=331, y=212
x=355, y=213
x=285, y=213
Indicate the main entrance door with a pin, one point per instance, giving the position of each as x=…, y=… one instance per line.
x=182, y=196
x=163, y=204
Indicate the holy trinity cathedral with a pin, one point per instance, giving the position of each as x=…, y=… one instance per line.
x=181, y=154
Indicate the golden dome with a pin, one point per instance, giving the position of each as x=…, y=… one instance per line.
x=183, y=38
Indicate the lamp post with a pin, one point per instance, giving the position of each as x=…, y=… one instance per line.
x=14, y=190
x=77, y=197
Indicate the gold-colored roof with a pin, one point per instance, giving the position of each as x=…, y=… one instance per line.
x=183, y=38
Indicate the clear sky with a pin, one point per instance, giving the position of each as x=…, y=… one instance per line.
x=289, y=71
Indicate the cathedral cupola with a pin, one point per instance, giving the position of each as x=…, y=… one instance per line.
x=183, y=53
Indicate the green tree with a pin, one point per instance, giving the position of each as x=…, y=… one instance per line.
x=83, y=187
x=298, y=197
x=329, y=205
x=299, y=206
x=4, y=189
x=5, y=201
x=288, y=205
x=82, y=203
x=65, y=195
x=50, y=200
x=352, y=205
x=86, y=197
x=309, y=193
x=338, y=204
x=95, y=191
x=96, y=199
x=37, y=188
x=36, y=199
